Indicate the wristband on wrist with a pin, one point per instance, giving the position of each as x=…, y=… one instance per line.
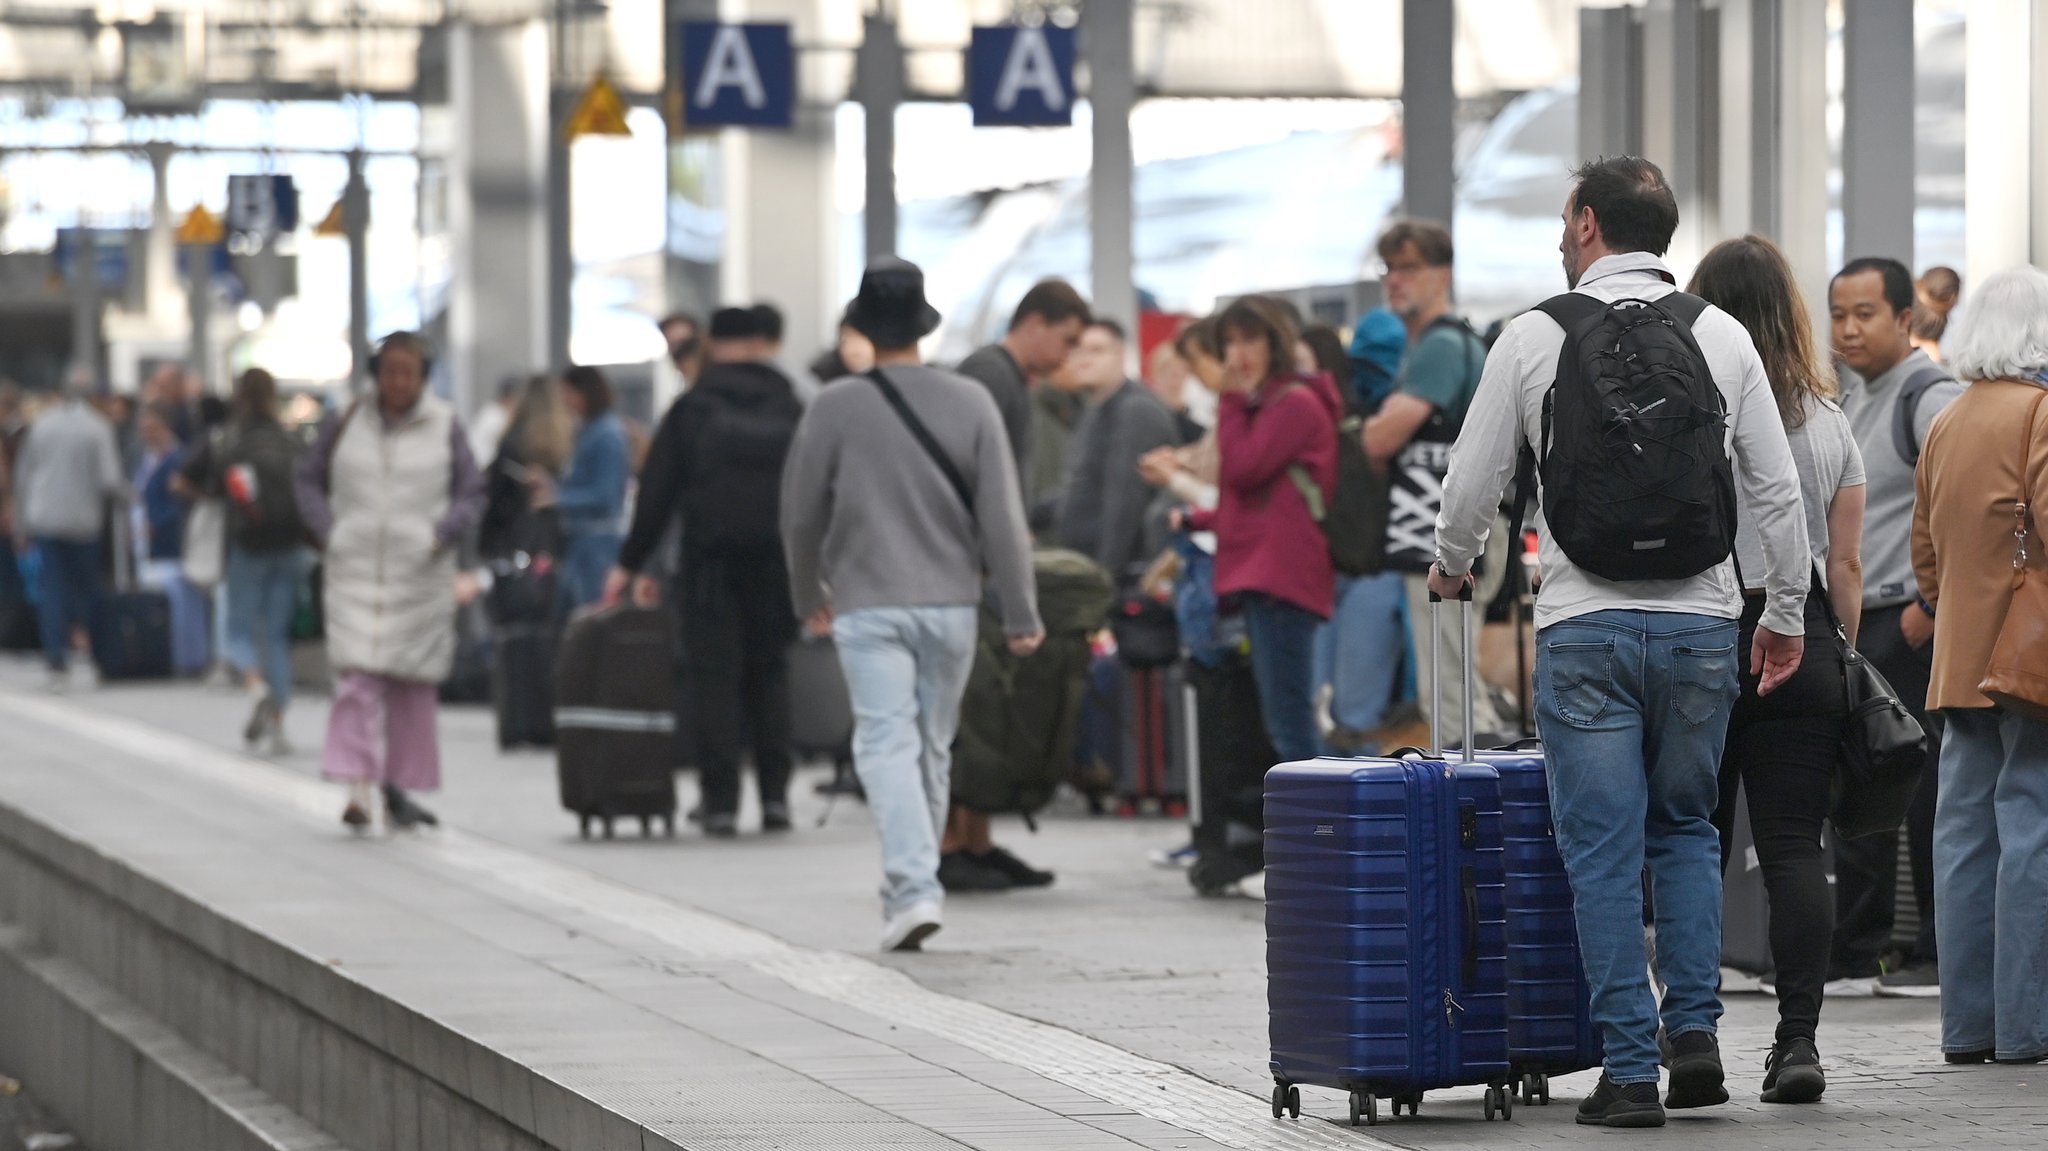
x=1925, y=606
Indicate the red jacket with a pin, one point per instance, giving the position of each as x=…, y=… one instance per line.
x=1266, y=541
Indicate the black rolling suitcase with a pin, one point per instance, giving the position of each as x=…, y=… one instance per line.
x=523, y=685
x=131, y=636
x=615, y=719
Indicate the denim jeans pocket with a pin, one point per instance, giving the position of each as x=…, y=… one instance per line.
x=1581, y=680
x=1703, y=683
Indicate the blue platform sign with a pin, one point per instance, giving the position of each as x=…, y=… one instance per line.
x=738, y=75
x=1021, y=77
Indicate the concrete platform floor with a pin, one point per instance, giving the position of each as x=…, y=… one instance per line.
x=1114, y=1009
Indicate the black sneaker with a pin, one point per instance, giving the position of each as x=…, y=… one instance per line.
x=405, y=811
x=1792, y=1073
x=721, y=824
x=1215, y=873
x=1696, y=1076
x=959, y=871
x=1612, y=1106
x=775, y=817
x=1021, y=873
x=1969, y=1058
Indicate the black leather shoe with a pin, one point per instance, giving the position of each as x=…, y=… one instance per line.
x=1792, y=1073
x=961, y=872
x=775, y=817
x=1021, y=873
x=1615, y=1106
x=406, y=811
x=1697, y=1079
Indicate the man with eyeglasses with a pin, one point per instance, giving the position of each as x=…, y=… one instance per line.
x=1412, y=433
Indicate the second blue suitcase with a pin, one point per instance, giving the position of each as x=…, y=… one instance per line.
x=1385, y=932
x=1550, y=1028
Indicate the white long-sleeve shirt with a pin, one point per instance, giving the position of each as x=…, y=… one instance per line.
x=1508, y=412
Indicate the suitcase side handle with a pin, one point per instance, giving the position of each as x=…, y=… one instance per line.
x=1468, y=881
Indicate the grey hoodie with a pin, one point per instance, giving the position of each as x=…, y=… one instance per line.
x=69, y=468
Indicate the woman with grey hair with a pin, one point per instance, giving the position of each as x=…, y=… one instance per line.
x=1983, y=479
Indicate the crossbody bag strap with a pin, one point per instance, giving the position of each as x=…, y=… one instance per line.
x=925, y=439
x=2023, y=511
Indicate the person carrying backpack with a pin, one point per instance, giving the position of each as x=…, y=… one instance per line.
x=252, y=467
x=1410, y=435
x=717, y=461
x=1649, y=411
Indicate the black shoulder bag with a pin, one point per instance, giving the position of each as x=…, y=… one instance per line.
x=1884, y=749
x=925, y=439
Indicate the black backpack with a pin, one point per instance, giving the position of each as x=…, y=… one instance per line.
x=733, y=504
x=1634, y=458
x=258, y=464
x=1353, y=517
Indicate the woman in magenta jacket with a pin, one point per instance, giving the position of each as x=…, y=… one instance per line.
x=1276, y=431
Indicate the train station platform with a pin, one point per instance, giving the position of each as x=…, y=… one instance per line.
x=194, y=953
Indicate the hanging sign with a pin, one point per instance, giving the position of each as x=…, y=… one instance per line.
x=1021, y=77
x=738, y=75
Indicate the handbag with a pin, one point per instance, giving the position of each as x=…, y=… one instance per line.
x=1147, y=632
x=206, y=543
x=2016, y=679
x=1884, y=749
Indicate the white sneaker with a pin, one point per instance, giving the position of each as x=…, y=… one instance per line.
x=908, y=929
x=1862, y=988
x=58, y=682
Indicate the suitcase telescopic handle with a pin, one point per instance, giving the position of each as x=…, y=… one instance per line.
x=1436, y=673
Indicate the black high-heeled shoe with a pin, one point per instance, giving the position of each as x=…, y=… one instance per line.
x=405, y=811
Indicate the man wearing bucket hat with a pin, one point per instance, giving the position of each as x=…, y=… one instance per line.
x=899, y=495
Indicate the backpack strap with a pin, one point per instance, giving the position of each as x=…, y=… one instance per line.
x=1684, y=306
x=1574, y=312
x=1907, y=408
x=925, y=439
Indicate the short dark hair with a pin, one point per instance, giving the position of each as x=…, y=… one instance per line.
x=1111, y=326
x=1328, y=348
x=1262, y=318
x=589, y=383
x=1631, y=199
x=1199, y=336
x=675, y=318
x=255, y=396
x=1898, y=282
x=1054, y=301
x=735, y=324
x=768, y=321
x=1432, y=241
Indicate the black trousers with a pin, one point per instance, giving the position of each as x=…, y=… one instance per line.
x=737, y=624
x=1866, y=870
x=1781, y=754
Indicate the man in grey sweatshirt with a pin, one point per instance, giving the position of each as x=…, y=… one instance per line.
x=1102, y=512
x=899, y=494
x=1891, y=392
x=69, y=470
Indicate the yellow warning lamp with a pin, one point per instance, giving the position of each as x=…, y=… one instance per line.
x=201, y=227
x=332, y=224
x=599, y=112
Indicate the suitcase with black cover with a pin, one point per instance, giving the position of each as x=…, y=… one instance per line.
x=523, y=685
x=615, y=719
x=131, y=636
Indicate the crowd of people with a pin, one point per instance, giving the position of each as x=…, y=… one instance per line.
x=1299, y=498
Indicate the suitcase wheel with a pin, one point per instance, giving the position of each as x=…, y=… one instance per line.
x=1414, y=1103
x=1535, y=1088
x=1364, y=1105
x=1499, y=1101
x=583, y=826
x=1286, y=1101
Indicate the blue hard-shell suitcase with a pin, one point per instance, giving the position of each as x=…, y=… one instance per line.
x=1385, y=932
x=1550, y=1026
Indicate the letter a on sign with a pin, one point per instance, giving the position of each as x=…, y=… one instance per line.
x=738, y=74
x=1022, y=76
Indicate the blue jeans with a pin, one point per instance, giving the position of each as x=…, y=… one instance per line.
x=70, y=594
x=263, y=591
x=1633, y=708
x=585, y=560
x=1359, y=649
x=1991, y=883
x=906, y=668
x=1284, y=666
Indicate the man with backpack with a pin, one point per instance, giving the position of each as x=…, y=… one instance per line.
x=1043, y=330
x=1411, y=433
x=1647, y=409
x=1102, y=511
x=1891, y=392
x=900, y=494
x=717, y=461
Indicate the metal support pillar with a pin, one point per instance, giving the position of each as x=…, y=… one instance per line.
x=1998, y=153
x=1109, y=36
x=199, y=303
x=85, y=304
x=561, y=252
x=1877, y=129
x=1610, y=83
x=160, y=256
x=1429, y=104
x=497, y=200
x=1799, y=200
x=879, y=87
x=1676, y=106
x=355, y=224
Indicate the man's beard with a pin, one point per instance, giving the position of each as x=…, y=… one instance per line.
x=1571, y=273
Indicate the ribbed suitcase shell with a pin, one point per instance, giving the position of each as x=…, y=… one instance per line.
x=1550, y=1028
x=1376, y=981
